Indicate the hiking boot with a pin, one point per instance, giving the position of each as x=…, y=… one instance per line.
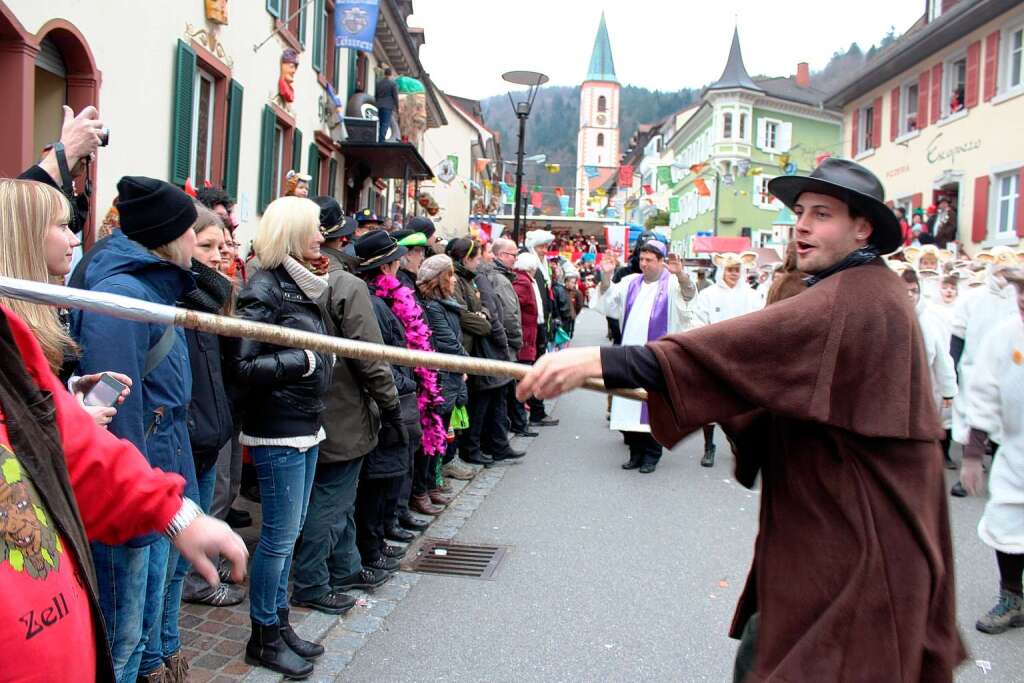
x=224, y=595
x=709, y=456
x=365, y=579
x=156, y=676
x=383, y=563
x=437, y=497
x=958, y=490
x=457, y=470
x=176, y=668
x=267, y=648
x=1008, y=613
x=331, y=602
x=303, y=648
x=396, y=552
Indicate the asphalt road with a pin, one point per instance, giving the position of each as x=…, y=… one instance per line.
x=614, y=575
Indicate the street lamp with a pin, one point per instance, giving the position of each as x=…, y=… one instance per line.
x=532, y=80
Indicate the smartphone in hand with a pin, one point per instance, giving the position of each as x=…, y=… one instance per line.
x=105, y=393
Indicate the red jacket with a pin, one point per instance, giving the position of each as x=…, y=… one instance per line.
x=119, y=495
x=528, y=307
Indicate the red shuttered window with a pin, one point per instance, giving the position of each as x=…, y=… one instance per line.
x=973, y=72
x=991, y=65
x=979, y=224
x=936, y=92
x=922, y=99
x=894, y=114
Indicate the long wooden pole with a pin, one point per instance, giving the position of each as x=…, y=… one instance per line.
x=144, y=311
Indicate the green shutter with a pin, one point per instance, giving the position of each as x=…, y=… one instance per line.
x=296, y=150
x=318, y=36
x=337, y=67
x=233, y=143
x=181, y=113
x=267, y=180
x=332, y=176
x=302, y=25
x=314, y=169
x=274, y=7
x=353, y=70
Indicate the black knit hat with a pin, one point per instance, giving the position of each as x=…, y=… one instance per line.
x=153, y=213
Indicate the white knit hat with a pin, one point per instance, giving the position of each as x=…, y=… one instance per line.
x=526, y=261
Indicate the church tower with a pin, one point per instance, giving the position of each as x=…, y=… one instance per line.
x=597, y=144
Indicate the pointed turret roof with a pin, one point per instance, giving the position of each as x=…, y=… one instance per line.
x=735, y=74
x=602, y=67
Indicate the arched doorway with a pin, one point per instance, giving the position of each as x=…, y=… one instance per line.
x=17, y=58
x=64, y=72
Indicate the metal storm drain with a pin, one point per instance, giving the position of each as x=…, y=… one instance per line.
x=437, y=556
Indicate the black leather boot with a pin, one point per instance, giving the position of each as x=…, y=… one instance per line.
x=267, y=648
x=303, y=648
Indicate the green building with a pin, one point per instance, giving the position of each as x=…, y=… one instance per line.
x=725, y=149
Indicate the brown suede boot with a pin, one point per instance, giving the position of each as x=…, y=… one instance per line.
x=438, y=497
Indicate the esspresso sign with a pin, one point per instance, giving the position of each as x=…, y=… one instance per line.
x=936, y=155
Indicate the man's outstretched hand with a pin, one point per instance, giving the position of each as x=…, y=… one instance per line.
x=556, y=373
x=208, y=537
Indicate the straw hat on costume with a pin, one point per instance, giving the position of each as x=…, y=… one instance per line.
x=997, y=257
x=897, y=266
x=727, y=259
x=537, y=238
x=915, y=254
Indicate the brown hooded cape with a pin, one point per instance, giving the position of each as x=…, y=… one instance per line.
x=828, y=395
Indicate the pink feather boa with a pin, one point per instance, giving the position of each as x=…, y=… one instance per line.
x=417, y=337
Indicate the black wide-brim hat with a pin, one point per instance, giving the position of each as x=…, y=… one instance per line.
x=853, y=184
x=375, y=249
x=333, y=222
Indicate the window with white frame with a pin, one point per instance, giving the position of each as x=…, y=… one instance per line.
x=934, y=9
x=278, y=161
x=762, y=198
x=1007, y=192
x=201, y=163
x=743, y=127
x=727, y=126
x=866, y=140
x=908, y=108
x=774, y=136
x=1014, y=61
x=954, y=77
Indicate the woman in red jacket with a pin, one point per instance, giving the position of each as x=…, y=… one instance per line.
x=58, y=465
x=530, y=305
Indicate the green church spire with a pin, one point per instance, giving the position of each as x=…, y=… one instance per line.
x=602, y=67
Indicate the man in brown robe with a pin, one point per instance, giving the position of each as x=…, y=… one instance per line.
x=827, y=394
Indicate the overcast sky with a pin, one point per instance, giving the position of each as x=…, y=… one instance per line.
x=658, y=44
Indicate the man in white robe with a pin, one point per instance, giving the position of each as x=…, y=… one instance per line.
x=648, y=305
x=730, y=297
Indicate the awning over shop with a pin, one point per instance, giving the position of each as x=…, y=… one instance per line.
x=718, y=245
x=387, y=159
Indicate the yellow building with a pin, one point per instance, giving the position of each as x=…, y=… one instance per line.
x=939, y=114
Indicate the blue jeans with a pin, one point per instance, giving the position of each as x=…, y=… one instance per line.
x=121, y=574
x=286, y=479
x=152, y=616
x=384, y=123
x=163, y=638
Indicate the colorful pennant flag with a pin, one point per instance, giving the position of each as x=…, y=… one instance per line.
x=553, y=168
x=563, y=203
x=756, y=171
x=702, y=187
x=559, y=192
x=697, y=168
x=673, y=204
x=625, y=175
x=648, y=189
x=590, y=171
x=600, y=192
x=537, y=200
x=665, y=175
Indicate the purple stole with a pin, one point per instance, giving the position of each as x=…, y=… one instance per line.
x=658, y=325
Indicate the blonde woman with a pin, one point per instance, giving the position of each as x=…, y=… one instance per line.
x=36, y=244
x=282, y=425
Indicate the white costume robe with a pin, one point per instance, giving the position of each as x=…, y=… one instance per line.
x=626, y=413
x=720, y=302
x=940, y=364
x=978, y=312
x=995, y=404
